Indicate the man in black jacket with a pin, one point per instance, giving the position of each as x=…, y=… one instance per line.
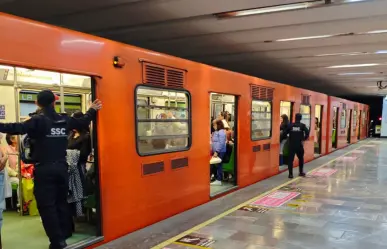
x=49, y=130
x=298, y=133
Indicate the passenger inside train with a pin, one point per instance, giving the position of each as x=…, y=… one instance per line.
x=22, y=224
x=222, y=175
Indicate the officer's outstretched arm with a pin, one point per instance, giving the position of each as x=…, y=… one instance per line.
x=19, y=128
x=80, y=123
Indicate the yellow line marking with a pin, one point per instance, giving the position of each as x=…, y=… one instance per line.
x=219, y=216
x=188, y=245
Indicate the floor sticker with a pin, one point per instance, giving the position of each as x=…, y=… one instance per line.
x=358, y=152
x=255, y=209
x=276, y=199
x=348, y=158
x=323, y=172
x=291, y=188
x=196, y=240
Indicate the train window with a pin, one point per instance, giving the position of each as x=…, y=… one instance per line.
x=305, y=112
x=163, y=120
x=363, y=118
x=343, y=119
x=260, y=119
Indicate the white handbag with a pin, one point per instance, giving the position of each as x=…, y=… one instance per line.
x=215, y=160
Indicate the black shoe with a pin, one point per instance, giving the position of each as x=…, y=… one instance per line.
x=61, y=245
x=291, y=176
x=302, y=174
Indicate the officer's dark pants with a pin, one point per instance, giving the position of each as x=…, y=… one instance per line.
x=51, y=190
x=299, y=151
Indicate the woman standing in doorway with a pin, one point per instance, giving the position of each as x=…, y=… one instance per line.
x=219, y=149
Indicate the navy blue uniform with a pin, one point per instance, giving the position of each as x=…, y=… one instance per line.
x=298, y=133
x=50, y=131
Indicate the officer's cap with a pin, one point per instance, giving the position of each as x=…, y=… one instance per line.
x=46, y=98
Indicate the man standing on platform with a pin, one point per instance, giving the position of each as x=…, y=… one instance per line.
x=298, y=133
x=49, y=131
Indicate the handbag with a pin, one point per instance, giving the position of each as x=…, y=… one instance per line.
x=215, y=160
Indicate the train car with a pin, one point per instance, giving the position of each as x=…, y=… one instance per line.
x=347, y=122
x=151, y=141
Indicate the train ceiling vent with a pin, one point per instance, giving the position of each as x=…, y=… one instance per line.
x=163, y=76
x=305, y=99
x=262, y=93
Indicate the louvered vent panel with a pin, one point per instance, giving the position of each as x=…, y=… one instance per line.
x=175, y=78
x=262, y=93
x=163, y=76
x=154, y=75
x=305, y=99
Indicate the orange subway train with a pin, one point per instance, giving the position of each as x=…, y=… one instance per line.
x=151, y=141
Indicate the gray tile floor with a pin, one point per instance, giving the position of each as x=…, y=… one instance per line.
x=339, y=205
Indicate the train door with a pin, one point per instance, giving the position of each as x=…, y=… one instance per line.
x=349, y=127
x=334, y=126
x=22, y=224
x=317, y=128
x=286, y=108
x=223, y=109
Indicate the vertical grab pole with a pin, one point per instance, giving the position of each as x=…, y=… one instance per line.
x=17, y=110
x=62, y=103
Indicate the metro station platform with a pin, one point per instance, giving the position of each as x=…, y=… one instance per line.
x=341, y=204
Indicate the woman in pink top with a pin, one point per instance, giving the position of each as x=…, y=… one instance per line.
x=13, y=153
x=13, y=161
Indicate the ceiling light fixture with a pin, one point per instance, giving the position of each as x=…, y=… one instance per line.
x=341, y=54
x=305, y=38
x=355, y=65
x=376, y=32
x=271, y=9
x=347, y=74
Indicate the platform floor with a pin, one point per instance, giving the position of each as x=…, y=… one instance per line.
x=342, y=203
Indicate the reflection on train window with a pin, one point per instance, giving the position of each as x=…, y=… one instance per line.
x=305, y=112
x=72, y=103
x=260, y=119
x=343, y=119
x=163, y=120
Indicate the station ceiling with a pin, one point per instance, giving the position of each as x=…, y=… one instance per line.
x=338, y=46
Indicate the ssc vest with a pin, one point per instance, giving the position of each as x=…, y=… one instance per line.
x=52, y=146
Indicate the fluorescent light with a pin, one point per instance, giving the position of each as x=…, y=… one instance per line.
x=381, y=52
x=341, y=54
x=271, y=9
x=353, y=1
x=376, y=32
x=365, y=73
x=355, y=65
x=305, y=38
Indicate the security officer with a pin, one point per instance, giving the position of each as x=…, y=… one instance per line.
x=49, y=131
x=298, y=133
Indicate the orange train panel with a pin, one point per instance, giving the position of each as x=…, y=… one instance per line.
x=131, y=201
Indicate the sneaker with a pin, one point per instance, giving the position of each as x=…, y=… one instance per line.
x=61, y=245
x=290, y=176
x=302, y=174
x=216, y=183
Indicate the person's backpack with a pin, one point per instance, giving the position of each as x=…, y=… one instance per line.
x=227, y=155
x=27, y=148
